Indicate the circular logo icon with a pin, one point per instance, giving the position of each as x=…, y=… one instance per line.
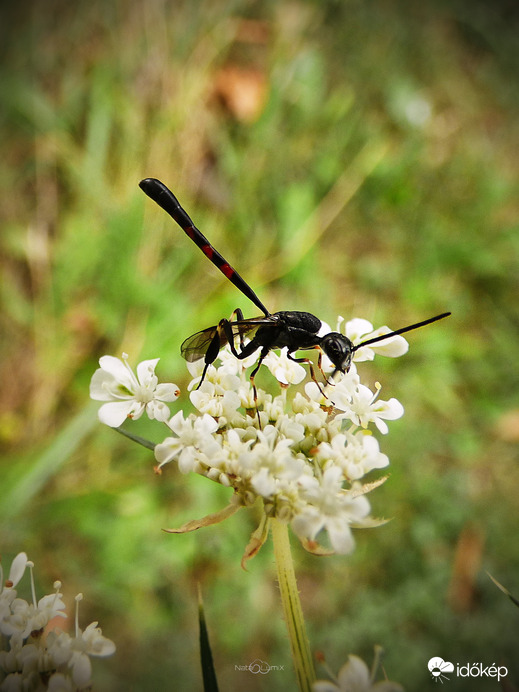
x=438, y=667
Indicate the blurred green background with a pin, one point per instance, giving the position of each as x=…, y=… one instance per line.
x=353, y=158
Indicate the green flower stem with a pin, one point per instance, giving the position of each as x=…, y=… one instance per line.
x=136, y=438
x=299, y=644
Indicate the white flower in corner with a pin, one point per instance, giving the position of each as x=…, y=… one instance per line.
x=354, y=676
x=129, y=395
x=57, y=661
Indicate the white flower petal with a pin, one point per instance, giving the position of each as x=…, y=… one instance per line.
x=97, y=645
x=157, y=410
x=59, y=683
x=167, y=392
x=146, y=371
x=324, y=686
x=393, y=347
x=115, y=412
x=264, y=483
x=166, y=451
x=307, y=523
x=356, y=328
x=81, y=669
x=17, y=568
x=354, y=675
x=100, y=385
x=381, y=426
x=394, y=409
x=284, y=369
x=340, y=536
x=119, y=370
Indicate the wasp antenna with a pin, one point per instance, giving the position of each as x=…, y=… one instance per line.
x=402, y=331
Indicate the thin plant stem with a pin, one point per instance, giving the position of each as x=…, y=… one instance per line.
x=136, y=438
x=299, y=644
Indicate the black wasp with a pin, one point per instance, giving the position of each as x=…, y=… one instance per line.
x=291, y=329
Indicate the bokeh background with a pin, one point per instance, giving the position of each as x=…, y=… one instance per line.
x=348, y=157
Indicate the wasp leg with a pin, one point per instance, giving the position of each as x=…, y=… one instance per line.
x=311, y=368
x=246, y=350
x=238, y=316
x=211, y=353
x=263, y=353
x=325, y=376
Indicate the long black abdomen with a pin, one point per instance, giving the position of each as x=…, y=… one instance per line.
x=162, y=195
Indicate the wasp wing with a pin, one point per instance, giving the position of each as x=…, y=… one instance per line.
x=197, y=345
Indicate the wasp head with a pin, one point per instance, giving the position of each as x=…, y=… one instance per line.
x=339, y=350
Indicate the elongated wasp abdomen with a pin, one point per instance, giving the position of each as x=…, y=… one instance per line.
x=160, y=194
x=289, y=329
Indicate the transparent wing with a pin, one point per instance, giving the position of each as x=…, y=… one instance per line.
x=196, y=346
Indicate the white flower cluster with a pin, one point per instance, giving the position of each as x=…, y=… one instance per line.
x=303, y=455
x=33, y=658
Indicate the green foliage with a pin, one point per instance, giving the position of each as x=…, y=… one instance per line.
x=376, y=176
x=206, y=655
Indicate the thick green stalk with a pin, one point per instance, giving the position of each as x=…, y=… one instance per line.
x=292, y=610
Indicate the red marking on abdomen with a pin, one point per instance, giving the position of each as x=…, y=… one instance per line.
x=208, y=251
x=227, y=270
